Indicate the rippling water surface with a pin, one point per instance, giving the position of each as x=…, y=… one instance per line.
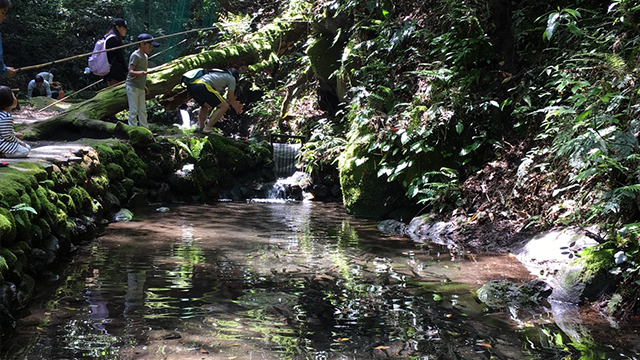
x=273, y=281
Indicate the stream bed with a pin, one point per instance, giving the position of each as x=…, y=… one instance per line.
x=281, y=280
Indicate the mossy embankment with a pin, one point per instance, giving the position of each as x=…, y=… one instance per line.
x=48, y=209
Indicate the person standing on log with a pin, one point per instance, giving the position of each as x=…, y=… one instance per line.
x=5, y=71
x=119, y=69
x=10, y=144
x=137, y=81
x=207, y=91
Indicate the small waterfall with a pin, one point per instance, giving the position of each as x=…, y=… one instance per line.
x=284, y=156
x=277, y=191
x=186, y=118
x=287, y=189
x=285, y=151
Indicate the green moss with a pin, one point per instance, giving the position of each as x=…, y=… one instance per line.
x=23, y=224
x=47, y=209
x=136, y=169
x=115, y=172
x=105, y=153
x=34, y=169
x=98, y=185
x=596, y=263
x=45, y=228
x=9, y=257
x=68, y=202
x=61, y=205
x=140, y=137
x=111, y=151
x=34, y=201
x=81, y=198
x=7, y=227
x=75, y=174
x=364, y=193
x=228, y=157
x=4, y=267
x=48, y=183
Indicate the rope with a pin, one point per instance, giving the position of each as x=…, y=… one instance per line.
x=50, y=64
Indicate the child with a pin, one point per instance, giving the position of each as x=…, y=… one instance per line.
x=10, y=144
x=118, y=72
x=137, y=81
x=5, y=71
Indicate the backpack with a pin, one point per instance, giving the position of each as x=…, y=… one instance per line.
x=194, y=74
x=191, y=75
x=99, y=61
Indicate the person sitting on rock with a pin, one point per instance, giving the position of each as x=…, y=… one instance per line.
x=40, y=87
x=10, y=144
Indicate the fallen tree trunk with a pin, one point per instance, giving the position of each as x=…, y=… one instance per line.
x=263, y=47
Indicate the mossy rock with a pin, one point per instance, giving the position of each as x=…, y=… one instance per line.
x=595, y=273
x=34, y=201
x=227, y=155
x=10, y=258
x=73, y=207
x=4, y=267
x=135, y=168
x=364, y=193
x=115, y=172
x=118, y=190
x=45, y=228
x=34, y=169
x=23, y=224
x=110, y=151
x=47, y=209
x=75, y=174
x=36, y=234
x=8, y=230
x=97, y=185
x=82, y=199
x=139, y=136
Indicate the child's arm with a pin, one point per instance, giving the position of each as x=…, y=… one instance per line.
x=19, y=135
x=135, y=73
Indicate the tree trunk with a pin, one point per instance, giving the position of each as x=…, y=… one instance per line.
x=257, y=50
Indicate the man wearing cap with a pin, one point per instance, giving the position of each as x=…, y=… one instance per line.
x=137, y=80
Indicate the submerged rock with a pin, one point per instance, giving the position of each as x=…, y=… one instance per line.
x=502, y=294
x=123, y=215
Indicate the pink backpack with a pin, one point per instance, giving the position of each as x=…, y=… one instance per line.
x=98, y=61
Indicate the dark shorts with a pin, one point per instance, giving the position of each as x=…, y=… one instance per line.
x=204, y=94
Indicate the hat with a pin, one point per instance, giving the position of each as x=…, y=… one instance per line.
x=148, y=38
x=120, y=22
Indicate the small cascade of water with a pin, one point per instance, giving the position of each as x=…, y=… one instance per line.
x=291, y=188
x=277, y=191
x=284, y=156
x=186, y=119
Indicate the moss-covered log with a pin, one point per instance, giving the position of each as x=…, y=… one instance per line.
x=257, y=50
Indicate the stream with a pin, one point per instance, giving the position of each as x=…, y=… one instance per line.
x=281, y=280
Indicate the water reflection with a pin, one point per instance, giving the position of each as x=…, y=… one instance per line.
x=274, y=281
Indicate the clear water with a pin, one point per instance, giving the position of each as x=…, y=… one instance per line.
x=282, y=280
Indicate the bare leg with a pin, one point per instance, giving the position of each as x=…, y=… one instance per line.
x=217, y=114
x=202, y=115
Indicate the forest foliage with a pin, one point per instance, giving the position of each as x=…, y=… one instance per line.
x=433, y=93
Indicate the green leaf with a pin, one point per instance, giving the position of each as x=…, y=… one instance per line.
x=552, y=24
x=574, y=29
x=459, y=128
